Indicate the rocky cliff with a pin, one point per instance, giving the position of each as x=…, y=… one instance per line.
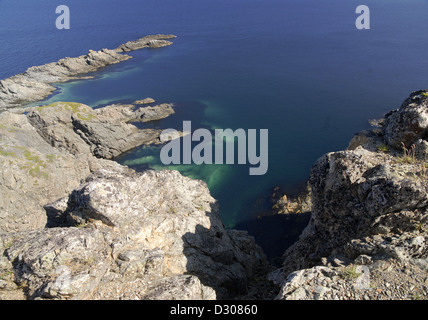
x=368, y=233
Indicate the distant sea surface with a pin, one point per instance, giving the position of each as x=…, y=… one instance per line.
x=299, y=68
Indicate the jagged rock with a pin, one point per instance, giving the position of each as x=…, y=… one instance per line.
x=76, y=263
x=369, y=139
x=155, y=113
x=135, y=113
x=409, y=123
x=175, y=214
x=283, y=204
x=306, y=284
x=148, y=229
x=46, y=153
x=182, y=287
x=350, y=191
x=30, y=171
x=366, y=278
x=60, y=263
x=421, y=150
x=120, y=234
x=36, y=83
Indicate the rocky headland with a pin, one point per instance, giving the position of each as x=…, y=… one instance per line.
x=75, y=224
x=36, y=83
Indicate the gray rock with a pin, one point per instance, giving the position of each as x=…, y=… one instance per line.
x=63, y=263
x=166, y=211
x=351, y=191
x=149, y=229
x=49, y=151
x=181, y=287
x=421, y=150
x=30, y=174
x=77, y=129
x=145, y=101
x=152, y=41
x=409, y=123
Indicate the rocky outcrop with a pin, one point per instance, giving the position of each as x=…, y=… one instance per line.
x=36, y=82
x=151, y=41
x=104, y=132
x=30, y=171
x=136, y=112
x=127, y=235
x=369, y=208
x=48, y=151
x=75, y=225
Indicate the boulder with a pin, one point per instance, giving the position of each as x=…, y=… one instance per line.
x=409, y=123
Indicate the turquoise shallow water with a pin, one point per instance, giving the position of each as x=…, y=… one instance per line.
x=297, y=68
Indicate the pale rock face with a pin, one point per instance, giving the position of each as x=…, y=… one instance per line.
x=77, y=226
x=30, y=171
x=150, y=228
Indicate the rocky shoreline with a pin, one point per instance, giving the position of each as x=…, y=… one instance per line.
x=76, y=225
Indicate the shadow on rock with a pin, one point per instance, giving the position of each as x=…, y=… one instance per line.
x=275, y=233
x=225, y=260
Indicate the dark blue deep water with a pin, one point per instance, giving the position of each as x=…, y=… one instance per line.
x=299, y=68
